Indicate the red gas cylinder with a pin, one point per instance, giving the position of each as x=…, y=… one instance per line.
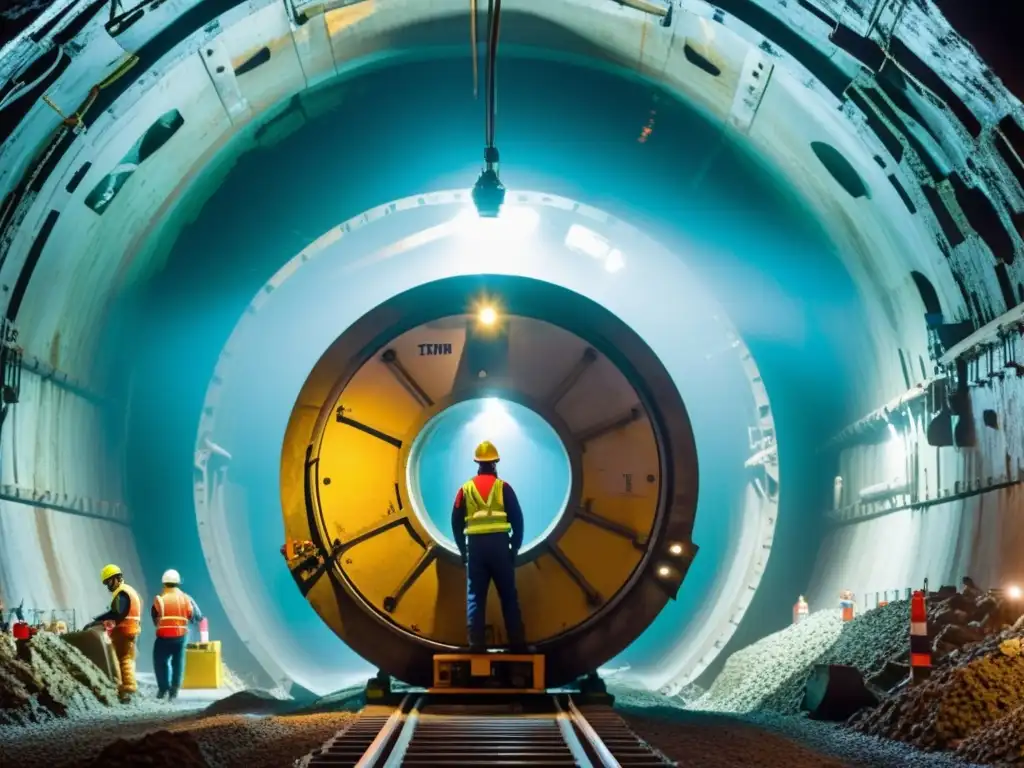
x=800, y=610
x=846, y=604
x=21, y=630
x=204, y=631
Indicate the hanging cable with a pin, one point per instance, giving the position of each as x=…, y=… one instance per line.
x=493, y=22
x=472, y=47
x=488, y=192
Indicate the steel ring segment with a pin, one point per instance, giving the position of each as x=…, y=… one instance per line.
x=579, y=567
x=352, y=598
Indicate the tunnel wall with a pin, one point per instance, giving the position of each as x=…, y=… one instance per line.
x=963, y=510
x=57, y=450
x=964, y=252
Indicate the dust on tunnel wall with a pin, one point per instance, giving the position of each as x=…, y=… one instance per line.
x=981, y=536
x=57, y=449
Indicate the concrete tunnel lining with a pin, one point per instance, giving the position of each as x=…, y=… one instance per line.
x=886, y=277
x=775, y=134
x=394, y=263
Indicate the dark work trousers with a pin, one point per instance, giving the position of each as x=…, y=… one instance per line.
x=169, y=663
x=490, y=559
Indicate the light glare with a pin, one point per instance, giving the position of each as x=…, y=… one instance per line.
x=676, y=549
x=1014, y=592
x=488, y=315
x=613, y=262
x=515, y=222
x=664, y=571
x=586, y=241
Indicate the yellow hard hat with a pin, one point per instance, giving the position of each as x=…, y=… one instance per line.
x=486, y=452
x=109, y=571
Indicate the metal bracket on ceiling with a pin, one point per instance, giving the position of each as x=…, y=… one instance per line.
x=217, y=61
x=754, y=78
x=664, y=10
x=301, y=11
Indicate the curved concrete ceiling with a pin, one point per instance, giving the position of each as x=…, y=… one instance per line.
x=882, y=119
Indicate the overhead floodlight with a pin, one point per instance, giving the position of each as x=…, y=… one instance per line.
x=488, y=194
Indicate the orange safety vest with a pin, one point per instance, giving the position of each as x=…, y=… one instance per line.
x=131, y=624
x=173, y=613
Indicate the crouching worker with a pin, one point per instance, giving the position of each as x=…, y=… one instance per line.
x=126, y=613
x=172, y=612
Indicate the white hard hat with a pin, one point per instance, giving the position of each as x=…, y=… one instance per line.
x=171, y=577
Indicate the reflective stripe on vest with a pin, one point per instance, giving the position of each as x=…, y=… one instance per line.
x=131, y=624
x=485, y=516
x=173, y=612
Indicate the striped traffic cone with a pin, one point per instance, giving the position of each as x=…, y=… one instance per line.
x=920, y=648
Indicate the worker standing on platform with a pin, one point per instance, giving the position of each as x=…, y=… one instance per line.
x=126, y=613
x=172, y=612
x=487, y=524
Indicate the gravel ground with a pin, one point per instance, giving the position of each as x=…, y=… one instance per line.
x=721, y=741
x=195, y=739
x=224, y=740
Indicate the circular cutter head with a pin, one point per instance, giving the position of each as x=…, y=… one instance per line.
x=613, y=503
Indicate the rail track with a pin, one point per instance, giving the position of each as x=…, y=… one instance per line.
x=447, y=730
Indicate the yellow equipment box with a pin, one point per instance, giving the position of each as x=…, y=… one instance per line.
x=203, y=666
x=488, y=673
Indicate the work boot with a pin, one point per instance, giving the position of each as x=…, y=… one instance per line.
x=125, y=697
x=161, y=694
x=173, y=695
x=517, y=643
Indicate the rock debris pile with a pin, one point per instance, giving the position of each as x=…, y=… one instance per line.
x=160, y=749
x=770, y=674
x=1001, y=742
x=971, y=703
x=56, y=681
x=974, y=702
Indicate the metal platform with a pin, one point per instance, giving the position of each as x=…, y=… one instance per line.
x=505, y=673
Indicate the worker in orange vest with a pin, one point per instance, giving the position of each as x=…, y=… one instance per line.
x=126, y=613
x=487, y=524
x=172, y=612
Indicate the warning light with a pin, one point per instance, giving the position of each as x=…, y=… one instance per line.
x=676, y=549
x=487, y=315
